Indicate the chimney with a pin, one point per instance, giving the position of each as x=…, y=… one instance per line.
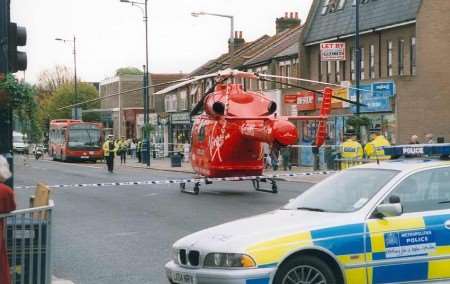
x=239, y=41
x=289, y=20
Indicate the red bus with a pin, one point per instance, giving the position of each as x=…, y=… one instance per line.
x=75, y=140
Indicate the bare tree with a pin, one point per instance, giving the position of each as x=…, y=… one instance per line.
x=49, y=80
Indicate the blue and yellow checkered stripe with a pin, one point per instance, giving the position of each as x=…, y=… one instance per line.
x=362, y=254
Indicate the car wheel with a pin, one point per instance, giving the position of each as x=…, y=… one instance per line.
x=305, y=269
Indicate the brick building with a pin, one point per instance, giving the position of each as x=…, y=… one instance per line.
x=123, y=114
x=403, y=61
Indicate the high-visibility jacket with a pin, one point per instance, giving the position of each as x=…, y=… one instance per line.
x=122, y=145
x=374, y=150
x=350, y=150
x=109, y=147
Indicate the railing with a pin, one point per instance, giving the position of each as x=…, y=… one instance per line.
x=27, y=234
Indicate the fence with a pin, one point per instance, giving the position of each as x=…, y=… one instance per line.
x=27, y=235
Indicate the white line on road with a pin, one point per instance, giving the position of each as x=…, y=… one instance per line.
x=60, y=281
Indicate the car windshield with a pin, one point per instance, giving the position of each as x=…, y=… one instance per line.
x=18, y=139
x=345, y=192
x=84, y=137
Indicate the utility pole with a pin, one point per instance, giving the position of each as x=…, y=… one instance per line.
x=357, y=60
x=147, y=82
x=77, y=115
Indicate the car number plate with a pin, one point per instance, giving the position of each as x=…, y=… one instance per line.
x=84, y=157
x=182, y=278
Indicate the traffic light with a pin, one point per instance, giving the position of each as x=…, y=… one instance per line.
x=17, y=36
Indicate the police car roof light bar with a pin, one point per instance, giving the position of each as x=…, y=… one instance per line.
x=419, y=150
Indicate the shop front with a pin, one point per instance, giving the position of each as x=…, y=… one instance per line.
x=180, y=130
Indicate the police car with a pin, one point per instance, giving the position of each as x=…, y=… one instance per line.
x=386, y=222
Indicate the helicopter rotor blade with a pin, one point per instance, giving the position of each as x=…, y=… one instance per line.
x=227, y=73
x=309, y=81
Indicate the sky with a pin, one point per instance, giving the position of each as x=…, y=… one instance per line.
x=110, y=34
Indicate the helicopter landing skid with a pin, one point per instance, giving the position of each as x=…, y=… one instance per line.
x=257, y=185
x=195, y=190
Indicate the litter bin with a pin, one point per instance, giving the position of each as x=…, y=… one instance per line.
x=144, y=151
x=175, y=160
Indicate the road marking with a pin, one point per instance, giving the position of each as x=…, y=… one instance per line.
x=178, y=181
x=60, y=281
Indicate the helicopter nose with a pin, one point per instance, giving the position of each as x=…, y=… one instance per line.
x=284, y=132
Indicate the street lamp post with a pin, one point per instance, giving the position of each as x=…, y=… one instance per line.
x=197, y=14
x=75, y=114
x=147, y=80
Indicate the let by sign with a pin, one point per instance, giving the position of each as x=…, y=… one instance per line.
x=332, y=51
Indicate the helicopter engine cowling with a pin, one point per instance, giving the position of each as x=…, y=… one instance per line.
x=215, y=108
x=281, y=131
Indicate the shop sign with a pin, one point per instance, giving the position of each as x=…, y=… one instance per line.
x=377, y=97
x=340, y=93
x=332, y=51
x=306, y=101
x=290, y=99
x=180, y=118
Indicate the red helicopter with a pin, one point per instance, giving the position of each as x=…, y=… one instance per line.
x=232, y=125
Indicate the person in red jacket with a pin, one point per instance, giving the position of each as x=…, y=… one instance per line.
x=7, y=204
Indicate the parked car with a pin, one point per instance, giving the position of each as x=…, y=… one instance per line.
x=375, y=223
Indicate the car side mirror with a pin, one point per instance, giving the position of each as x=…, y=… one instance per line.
x=388, y=210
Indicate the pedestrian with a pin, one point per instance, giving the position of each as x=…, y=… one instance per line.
x=122, y=146
x=351, y=150
x=139, y=150
x=109, y=151
x=7, y=204
x=414, y=139
x=133, y=148
x=374, y=149
x=274, y=158
x=429, y=138
x=286, y=155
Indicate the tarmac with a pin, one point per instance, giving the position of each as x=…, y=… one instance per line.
x=165, y=165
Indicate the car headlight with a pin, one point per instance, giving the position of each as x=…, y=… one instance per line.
x=229, y=260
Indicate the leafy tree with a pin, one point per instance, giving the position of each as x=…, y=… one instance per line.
x=129, y=71
x=22, y=98
x=51, y=79
x=64, y=96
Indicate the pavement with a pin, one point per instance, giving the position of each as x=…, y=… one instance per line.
x=124, y=234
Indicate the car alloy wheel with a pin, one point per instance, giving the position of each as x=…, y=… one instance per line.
x=304, y=274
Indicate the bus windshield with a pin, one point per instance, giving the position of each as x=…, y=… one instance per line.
x=84, y=136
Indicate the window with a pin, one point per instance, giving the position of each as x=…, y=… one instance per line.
x=413, y=56
x=352, y=64
x=341, y=4
x=389, y=58
x=328, y=71
x=425, y=191
x=401, y=57
x=285, y=70
x=325, y=7
x=337, y=194
x=170, y=103
x=362, y=63
x=372, y=62
x=262, y=85
x=337, y=74
x=183, y=100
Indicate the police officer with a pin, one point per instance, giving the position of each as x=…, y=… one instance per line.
x=139, y=150
x=122, y=147
x=351, y=149
x=374, y=149
x=109, y=151
x=286, y=155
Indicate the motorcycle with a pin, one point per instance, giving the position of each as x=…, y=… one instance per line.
x=38, y=153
